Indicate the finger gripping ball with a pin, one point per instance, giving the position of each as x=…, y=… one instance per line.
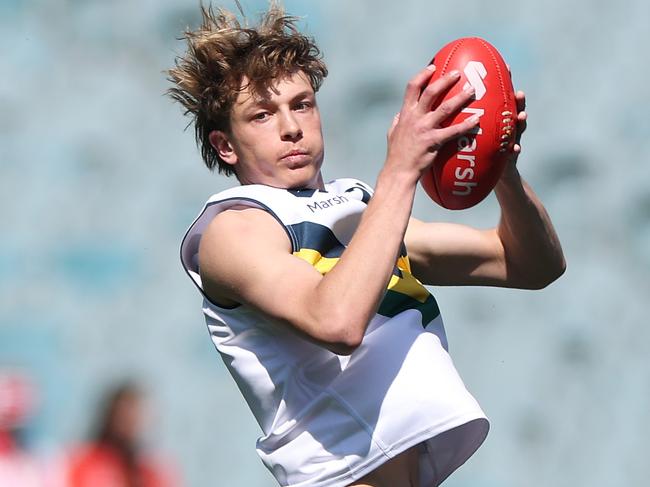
x=467, y=169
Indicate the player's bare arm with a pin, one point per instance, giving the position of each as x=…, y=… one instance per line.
x=523, y=251
x=245, y=256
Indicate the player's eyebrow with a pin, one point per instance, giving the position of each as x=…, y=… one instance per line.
x=303, y=94
x=267, y=102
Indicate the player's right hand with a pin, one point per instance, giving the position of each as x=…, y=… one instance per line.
x=417, y=132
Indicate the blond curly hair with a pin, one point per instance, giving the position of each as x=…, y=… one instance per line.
x=222, y=52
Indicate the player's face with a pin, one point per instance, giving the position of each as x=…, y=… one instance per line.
x=275, y=140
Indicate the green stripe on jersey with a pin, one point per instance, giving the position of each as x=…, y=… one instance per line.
x=394, y=303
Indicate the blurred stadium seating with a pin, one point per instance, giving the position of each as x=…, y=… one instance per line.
x=99, y=180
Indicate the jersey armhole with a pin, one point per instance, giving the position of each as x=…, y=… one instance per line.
x=190, y=243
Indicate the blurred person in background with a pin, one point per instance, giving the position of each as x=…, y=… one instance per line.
x=20, y=466
x=313, y=292
x=115, y=455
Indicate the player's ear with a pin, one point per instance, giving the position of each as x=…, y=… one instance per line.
x=220, y=141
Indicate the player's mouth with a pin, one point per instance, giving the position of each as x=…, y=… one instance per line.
x=296, y=158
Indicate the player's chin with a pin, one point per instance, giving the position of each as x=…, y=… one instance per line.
x=303, y=177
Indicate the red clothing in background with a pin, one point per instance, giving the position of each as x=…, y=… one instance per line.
x=103, y=466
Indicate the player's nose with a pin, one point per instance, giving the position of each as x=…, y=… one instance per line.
x=289, y=127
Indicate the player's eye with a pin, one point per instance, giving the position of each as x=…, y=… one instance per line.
x=303, y=105
x=261, y=116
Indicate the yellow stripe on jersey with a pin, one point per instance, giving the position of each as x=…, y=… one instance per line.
x=320, y=263
x=406, y=284
x=404, y=264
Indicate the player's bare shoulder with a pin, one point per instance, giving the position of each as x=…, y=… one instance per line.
x=228, y=243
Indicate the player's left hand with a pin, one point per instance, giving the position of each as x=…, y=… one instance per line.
x=522, y=117
x=522, y=122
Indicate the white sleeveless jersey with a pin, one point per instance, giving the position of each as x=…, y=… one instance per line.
x=328, y=420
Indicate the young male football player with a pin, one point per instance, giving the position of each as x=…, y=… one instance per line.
x=313, y=291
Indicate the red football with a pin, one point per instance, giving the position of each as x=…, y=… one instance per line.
x=468, y=168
